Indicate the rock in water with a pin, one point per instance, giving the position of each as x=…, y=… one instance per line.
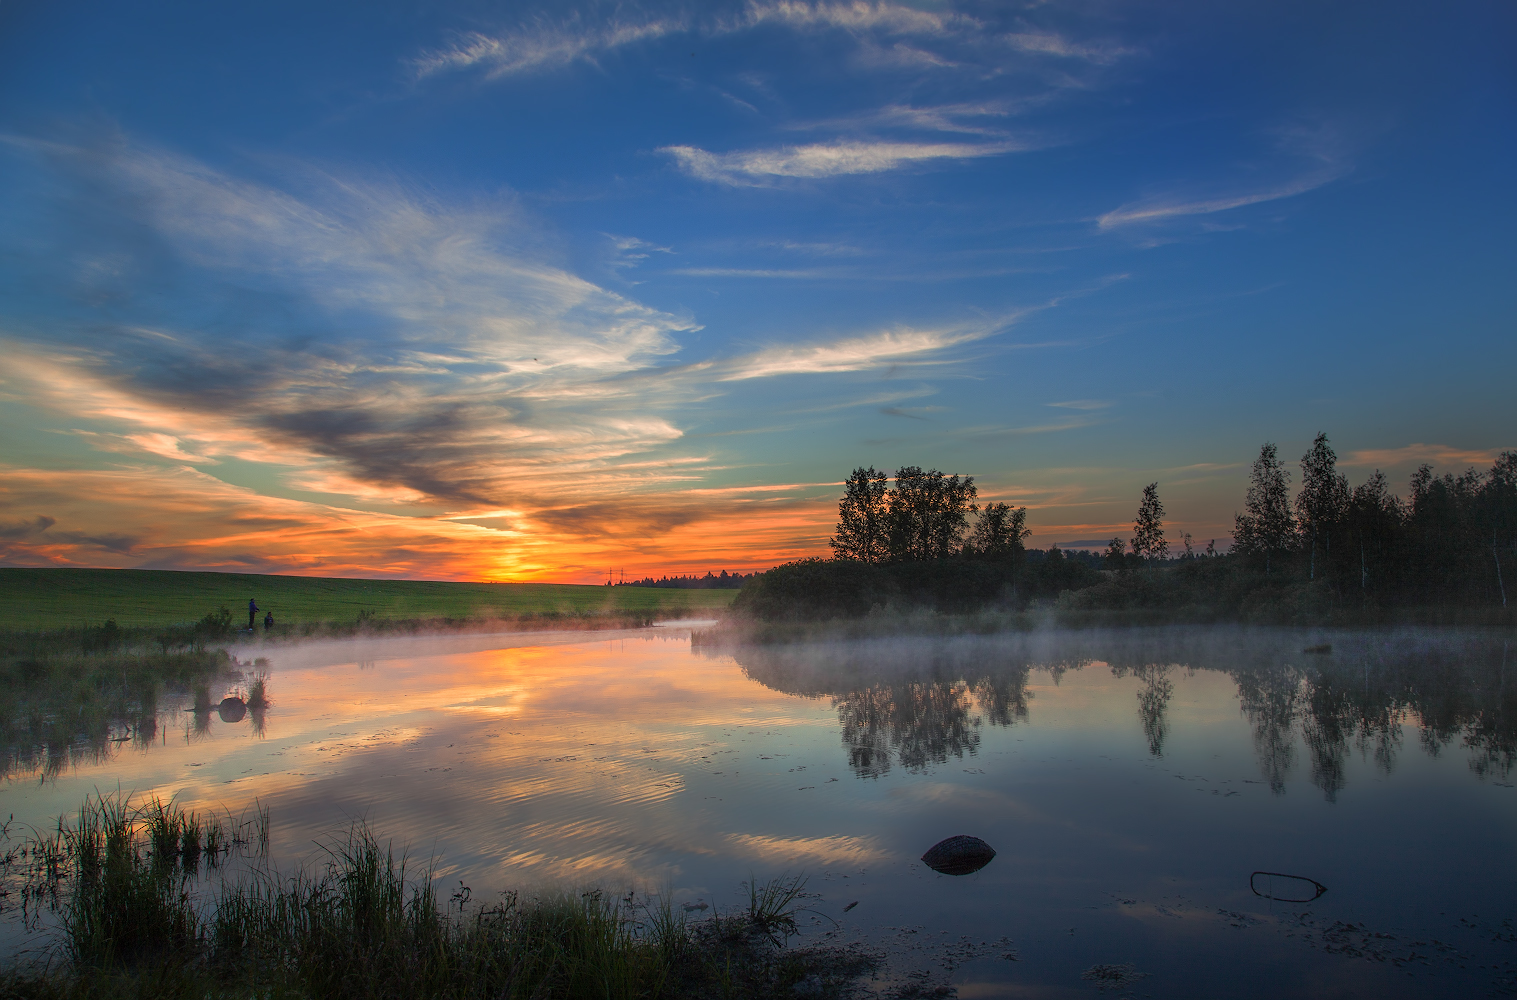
x=232, y=709
x=958, y=855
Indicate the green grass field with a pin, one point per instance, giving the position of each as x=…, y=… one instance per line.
x=67, y=598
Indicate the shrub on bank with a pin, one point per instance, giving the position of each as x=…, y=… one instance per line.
x=815, y=590
x=818, y=590
x=1049, y=588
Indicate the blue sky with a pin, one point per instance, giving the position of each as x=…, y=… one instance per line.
x=515, y=291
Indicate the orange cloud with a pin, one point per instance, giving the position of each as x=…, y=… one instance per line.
x=1433, y=454
x=181, y=518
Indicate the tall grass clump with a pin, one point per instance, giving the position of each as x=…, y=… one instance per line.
x=128, y=897
x=365, y=927
x=140, y=915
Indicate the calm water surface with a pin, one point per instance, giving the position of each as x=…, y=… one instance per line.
x=1129, y=781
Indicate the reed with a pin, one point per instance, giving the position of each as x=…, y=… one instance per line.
x=141, y=916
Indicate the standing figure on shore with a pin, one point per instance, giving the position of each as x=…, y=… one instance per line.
x=268, y=621
x=252, y=613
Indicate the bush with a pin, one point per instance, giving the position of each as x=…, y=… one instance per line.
x=815, y=590
x=951, y=586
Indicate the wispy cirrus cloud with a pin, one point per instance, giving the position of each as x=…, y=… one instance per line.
x=748, y=168
x=850, y=354
x=886, y=36
x=1084, y=404
x=964, y=117
x=1054, y=44
x=539, y=47
x=544, y=46
x=1314, y=154
x=1169, y=207
x=857, y=16
x=910, y=412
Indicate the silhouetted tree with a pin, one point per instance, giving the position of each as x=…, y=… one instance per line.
x=863, y=531
x=928, y=513
x=1374, y=523
x=1268, y=529
x=1148, y=530
x=1323, y=502
x=1116, y=554
x=1000, y=531
x=1499, y=503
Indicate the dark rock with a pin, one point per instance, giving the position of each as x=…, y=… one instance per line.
x=232, y=709
x=958, y=855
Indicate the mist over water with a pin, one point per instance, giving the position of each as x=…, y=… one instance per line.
x=1130, y=783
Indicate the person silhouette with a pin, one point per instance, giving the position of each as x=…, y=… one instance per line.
x=268, y=621
x=252, y=612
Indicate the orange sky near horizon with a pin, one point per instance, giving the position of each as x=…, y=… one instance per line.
x=103, y=476
x=182, y=519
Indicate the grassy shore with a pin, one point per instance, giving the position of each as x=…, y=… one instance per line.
x=40, y=599
x=154, y=901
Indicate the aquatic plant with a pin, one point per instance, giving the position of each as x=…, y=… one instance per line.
x=138, y=919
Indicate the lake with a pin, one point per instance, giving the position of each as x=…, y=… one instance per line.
x=1131, y=783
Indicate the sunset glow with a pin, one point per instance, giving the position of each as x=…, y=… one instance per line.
x=534, y=294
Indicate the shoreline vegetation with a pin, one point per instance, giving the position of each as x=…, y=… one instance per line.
x=924, y=556
x=64, y=598
x=156, y=901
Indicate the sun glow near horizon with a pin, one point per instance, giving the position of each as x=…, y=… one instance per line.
x=538, y=292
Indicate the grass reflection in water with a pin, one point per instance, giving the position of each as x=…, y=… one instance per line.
x=64, y=704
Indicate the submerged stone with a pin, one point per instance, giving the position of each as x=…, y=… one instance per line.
x=959, y=855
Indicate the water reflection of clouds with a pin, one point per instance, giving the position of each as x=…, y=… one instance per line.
x=835, y=850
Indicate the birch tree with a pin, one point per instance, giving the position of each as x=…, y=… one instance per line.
x=1267, y=529
x=1323, y=502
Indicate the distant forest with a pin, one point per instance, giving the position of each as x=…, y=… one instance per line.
x=721, y=581
x=1327, y=552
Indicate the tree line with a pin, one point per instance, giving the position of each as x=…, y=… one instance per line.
x=1454, y=538
x=926, y=539
x=711, y=581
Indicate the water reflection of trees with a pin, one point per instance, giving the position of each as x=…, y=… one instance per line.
x=1360, y=698
x=47, y=729
x=1153, y=700
x=919, y=724
x=914, y=704
x=919, y=703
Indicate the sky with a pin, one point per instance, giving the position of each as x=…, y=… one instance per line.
x=516, y=292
